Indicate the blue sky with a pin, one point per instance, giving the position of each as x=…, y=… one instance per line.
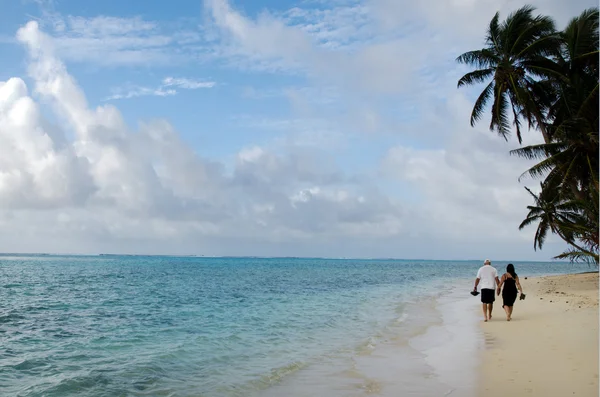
x=266, y=127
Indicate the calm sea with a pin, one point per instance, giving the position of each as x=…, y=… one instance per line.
x=171, y=326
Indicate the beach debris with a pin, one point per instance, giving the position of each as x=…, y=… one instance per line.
x=526, y=279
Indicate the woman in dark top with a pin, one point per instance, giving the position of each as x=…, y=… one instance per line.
x=511, y=284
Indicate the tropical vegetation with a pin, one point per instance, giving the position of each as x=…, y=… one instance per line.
x=547, y=80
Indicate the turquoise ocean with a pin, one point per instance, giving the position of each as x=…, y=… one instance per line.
x=187, y=326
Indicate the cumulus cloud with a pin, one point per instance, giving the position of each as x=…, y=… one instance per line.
x=82, y=180
x=36, y=170
x=467, y=188
x=109, y=182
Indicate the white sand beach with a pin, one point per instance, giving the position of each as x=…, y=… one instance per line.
x=550, y=348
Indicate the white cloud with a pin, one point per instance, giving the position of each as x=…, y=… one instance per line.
x=335, y=26
x=317, y=37
x=468, y=189
x=335, y=45
x=120, y=93
x=35, y=170
x=187, y=84
x=378, y=47
x=466, y=20
x=451, y=191
x=167, y=88
x=267, y=43
x=110, y=40
x=108, y=26
x=111, y=183
x=119, y=41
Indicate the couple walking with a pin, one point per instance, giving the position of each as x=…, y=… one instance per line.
x=487, y=278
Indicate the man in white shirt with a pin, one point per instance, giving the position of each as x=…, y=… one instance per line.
x=487, y=278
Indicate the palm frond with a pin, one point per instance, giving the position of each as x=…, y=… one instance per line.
x=481, y=59
x=480, y=103
x=528, y=221
x=575, y=255
x=536, y=152
x=477, y=76
x=538, y=38
x=500, y=122
x=515, y=24
x=493, y=33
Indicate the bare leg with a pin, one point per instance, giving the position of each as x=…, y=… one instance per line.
x=490, y=308
x=484, y=306
x=510, y=309
x=507, y=310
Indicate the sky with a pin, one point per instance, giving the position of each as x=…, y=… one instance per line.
x=267, y=128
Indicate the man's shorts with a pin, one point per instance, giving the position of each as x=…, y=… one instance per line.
x=487, y=295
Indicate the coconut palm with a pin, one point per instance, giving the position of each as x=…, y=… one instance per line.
x=549, y=79
x=570, y=219
x=568, y=164
x=509, y=62
x=574, y=76
x=571, y=160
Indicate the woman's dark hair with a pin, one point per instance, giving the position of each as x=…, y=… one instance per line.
x=510, y=269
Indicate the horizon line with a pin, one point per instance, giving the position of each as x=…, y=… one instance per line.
x=200, y=256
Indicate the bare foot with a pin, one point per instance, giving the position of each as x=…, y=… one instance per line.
x=485, y=320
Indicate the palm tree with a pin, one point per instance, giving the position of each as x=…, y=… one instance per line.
x=544, y=212
x=550, y=80
x=570, y=161
x=575, y=224
x=568, y=164
x=510, y=59
x=568, y=203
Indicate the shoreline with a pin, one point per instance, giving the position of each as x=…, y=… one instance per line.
x=550, y=348
x=414, y=355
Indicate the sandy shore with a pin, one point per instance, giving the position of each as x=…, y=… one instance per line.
x=550, y=348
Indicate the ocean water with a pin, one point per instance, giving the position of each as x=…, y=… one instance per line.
x=176, y=326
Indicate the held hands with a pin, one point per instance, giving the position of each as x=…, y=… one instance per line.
x=498, y=291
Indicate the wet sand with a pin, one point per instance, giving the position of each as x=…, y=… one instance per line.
x=550, y=348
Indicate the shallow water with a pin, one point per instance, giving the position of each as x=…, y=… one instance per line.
x=166, y=326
